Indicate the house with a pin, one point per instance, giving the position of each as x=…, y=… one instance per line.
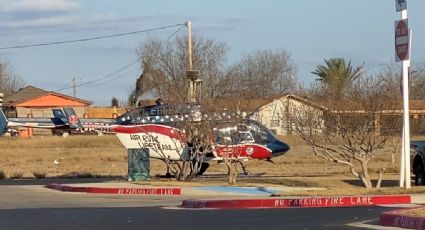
x=241, y=106
x=278, y=112
x=34, y=102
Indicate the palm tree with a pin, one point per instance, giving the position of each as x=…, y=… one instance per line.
x=337, y=75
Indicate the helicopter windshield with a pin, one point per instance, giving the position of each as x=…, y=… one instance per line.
x=260, y=133
x=233, y=135
x=245, y=137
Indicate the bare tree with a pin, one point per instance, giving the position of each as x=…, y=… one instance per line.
x=417, y=82
x=350, y=131
x=263, y=74
x=9, y=82
x=164, y=65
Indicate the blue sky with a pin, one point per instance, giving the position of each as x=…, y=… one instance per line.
x=311, y=30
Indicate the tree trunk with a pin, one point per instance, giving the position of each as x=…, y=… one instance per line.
x=365, y=174
x=231, y=172
x=366, y=181
x=381, y=174
x=183, y=173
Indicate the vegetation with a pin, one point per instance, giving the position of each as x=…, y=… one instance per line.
x=9, y=82
x=261, y=74
x=337, y=75
x=351, y=130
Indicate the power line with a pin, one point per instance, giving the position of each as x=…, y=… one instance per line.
x=91, y=38
x=102, y=78
x=124, y=74
x=175, y=32
x=119, y=70
x=65, y=87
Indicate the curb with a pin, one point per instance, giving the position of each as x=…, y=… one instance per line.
x=395, y=218
x=298, y=202
x=119, y=191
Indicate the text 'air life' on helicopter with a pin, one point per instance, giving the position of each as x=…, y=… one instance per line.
x=171, y=136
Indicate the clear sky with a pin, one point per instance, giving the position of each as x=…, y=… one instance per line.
x=311, y=30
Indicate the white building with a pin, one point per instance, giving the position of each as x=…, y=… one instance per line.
x=278, y=114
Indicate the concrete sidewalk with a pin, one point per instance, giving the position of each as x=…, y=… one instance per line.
x=125, y=188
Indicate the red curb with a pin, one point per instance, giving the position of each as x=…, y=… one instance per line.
x=119, y=191
x=305, y=202
x=394, y=218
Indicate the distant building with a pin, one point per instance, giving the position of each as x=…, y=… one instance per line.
x=276, y=113
x=34, y=102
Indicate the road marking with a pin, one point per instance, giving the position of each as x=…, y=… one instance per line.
x=401, y=205
x=363, y=224
x=181, y=208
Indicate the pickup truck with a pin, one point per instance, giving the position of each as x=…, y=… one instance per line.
x=417, y=156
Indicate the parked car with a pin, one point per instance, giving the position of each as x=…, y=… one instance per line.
x=417, y=154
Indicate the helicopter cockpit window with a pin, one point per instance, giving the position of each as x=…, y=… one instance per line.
x=232, y=136
x=223, y=139
x=260, y=134
x=225, y=136
x=242, y=137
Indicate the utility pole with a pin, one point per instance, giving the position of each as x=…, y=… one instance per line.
x=192, y=75
x=74, y=90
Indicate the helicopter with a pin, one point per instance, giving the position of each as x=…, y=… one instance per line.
x=167, y=131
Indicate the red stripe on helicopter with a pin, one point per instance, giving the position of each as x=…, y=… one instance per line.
x=150, y=128
x=244, y=150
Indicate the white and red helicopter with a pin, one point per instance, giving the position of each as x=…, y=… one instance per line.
x=167, y=138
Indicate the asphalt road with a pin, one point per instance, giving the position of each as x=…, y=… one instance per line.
x=25, y=205
x=162, y=219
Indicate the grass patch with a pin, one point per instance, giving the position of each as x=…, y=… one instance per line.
x=93, y=156
x=60, y=142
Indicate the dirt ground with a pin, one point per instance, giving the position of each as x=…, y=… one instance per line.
x=104, y=156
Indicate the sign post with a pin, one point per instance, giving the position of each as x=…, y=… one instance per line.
x=402, y=50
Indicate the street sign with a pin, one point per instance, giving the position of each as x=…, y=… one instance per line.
x=400, y=5
x=401, y=40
